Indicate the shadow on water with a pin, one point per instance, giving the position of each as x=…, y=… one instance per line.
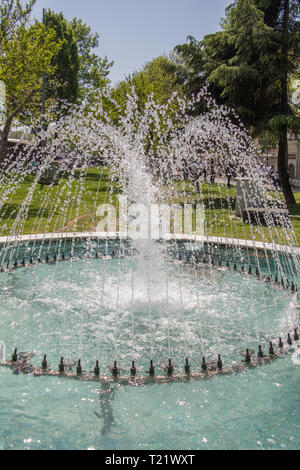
x=106, y=395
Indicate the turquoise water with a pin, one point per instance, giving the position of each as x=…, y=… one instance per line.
x=111, y=310
x=257, y=410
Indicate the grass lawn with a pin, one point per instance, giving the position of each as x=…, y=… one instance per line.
x=54, y=209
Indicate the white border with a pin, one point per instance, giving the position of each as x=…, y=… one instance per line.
x=251, y=244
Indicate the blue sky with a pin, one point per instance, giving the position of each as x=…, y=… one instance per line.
x=133, y=32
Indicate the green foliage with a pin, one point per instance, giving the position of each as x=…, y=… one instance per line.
x=26, y=53
x=157, y=78
x=244, y=63
x=12, y=15
x=93, y=70
x=65, y=62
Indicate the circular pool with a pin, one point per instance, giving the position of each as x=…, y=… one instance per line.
x=123, y=308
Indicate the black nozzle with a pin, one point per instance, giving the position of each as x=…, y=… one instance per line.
x=250, y=270
x=280, y=344
x=97, y=369
x=79, y=368
x=23, y=262
x=187, y=367
x=47, y=258
x=55, y=257
x=14, y=357
x=220, y=363
x=31, y=260
x=203, y=365
x=151, y=371
x=61, y=366
x=133, y=370
x=170, y=368
x=16, y=263
x=248, y=357
x=289, y=340
x=271, y=349
x=276, y=278
x=63, y=256
x=296, y=335
x=44, y=363
x=115, y=370
x=260, y=353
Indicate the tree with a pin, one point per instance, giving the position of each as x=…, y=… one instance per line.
x=152, y=87
x=65, y=61
x=93, y=70
x=249, y=64
x=157, y=78
x=23, y=60
x=12, y=15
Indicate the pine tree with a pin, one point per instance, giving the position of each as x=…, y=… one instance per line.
x=248, y=66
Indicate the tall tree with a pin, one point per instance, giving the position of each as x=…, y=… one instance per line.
x=249, y=63
x=23, y=59
x=157, y=78
x=65, y=62
x=93, y=70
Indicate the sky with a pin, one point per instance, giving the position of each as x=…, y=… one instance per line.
x=133, y=32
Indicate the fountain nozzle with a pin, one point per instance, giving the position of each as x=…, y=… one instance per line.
x=203, y=365
x=271, y=349
x=170, y=368
x=115, y=370
x=220, y=363
x=14, y=357
x=187, y=367
x=248, y=357
x=61, y=366
x=44, y=363
x=151, y=370
x=133, y=370
x=97, y=369
x=296, y=335
x=79, y=368
x=260, y=352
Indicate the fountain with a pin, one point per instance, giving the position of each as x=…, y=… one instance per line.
x=134, y=266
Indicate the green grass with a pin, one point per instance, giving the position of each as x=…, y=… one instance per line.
x=52, y=209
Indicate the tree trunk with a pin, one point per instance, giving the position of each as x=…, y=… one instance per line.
x=4, y=140
x=283, y=168
x=283, y=141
